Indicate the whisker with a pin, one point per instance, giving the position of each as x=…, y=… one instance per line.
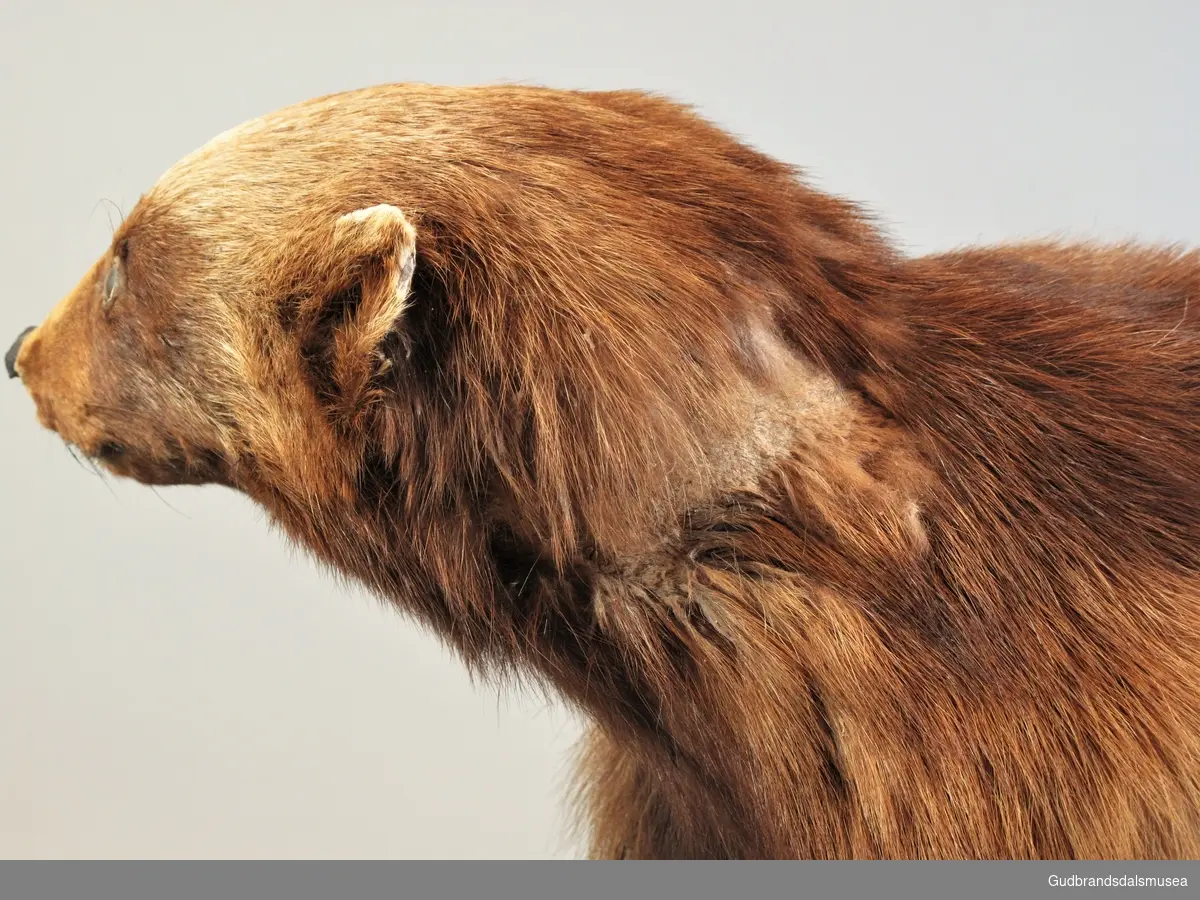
x=75, y=456
x=90, y=467
x=112, y=206
x=103, y=479
x=168, y=505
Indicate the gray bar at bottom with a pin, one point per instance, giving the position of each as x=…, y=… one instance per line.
x=196, y=880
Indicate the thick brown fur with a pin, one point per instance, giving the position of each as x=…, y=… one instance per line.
x=842, y=553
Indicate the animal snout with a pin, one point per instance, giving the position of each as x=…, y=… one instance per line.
x=10, y=358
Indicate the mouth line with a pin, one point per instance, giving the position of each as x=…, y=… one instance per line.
x=178, y=467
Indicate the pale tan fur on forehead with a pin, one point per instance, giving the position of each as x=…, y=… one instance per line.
x=288, y=145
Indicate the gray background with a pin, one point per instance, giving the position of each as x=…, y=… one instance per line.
x=174, y=681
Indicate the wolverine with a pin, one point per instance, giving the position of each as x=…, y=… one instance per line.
x=840, y=552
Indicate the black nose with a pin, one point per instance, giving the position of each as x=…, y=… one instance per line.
x=10, y=358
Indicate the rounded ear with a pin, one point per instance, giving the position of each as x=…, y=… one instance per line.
x=374, y=251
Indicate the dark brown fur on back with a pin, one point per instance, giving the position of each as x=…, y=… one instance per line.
x=843, y=553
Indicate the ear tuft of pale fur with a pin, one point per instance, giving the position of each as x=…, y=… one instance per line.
x=380, y=245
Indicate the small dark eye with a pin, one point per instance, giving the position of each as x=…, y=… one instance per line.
x=112, y=284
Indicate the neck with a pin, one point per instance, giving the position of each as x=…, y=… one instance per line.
x=667, y=637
